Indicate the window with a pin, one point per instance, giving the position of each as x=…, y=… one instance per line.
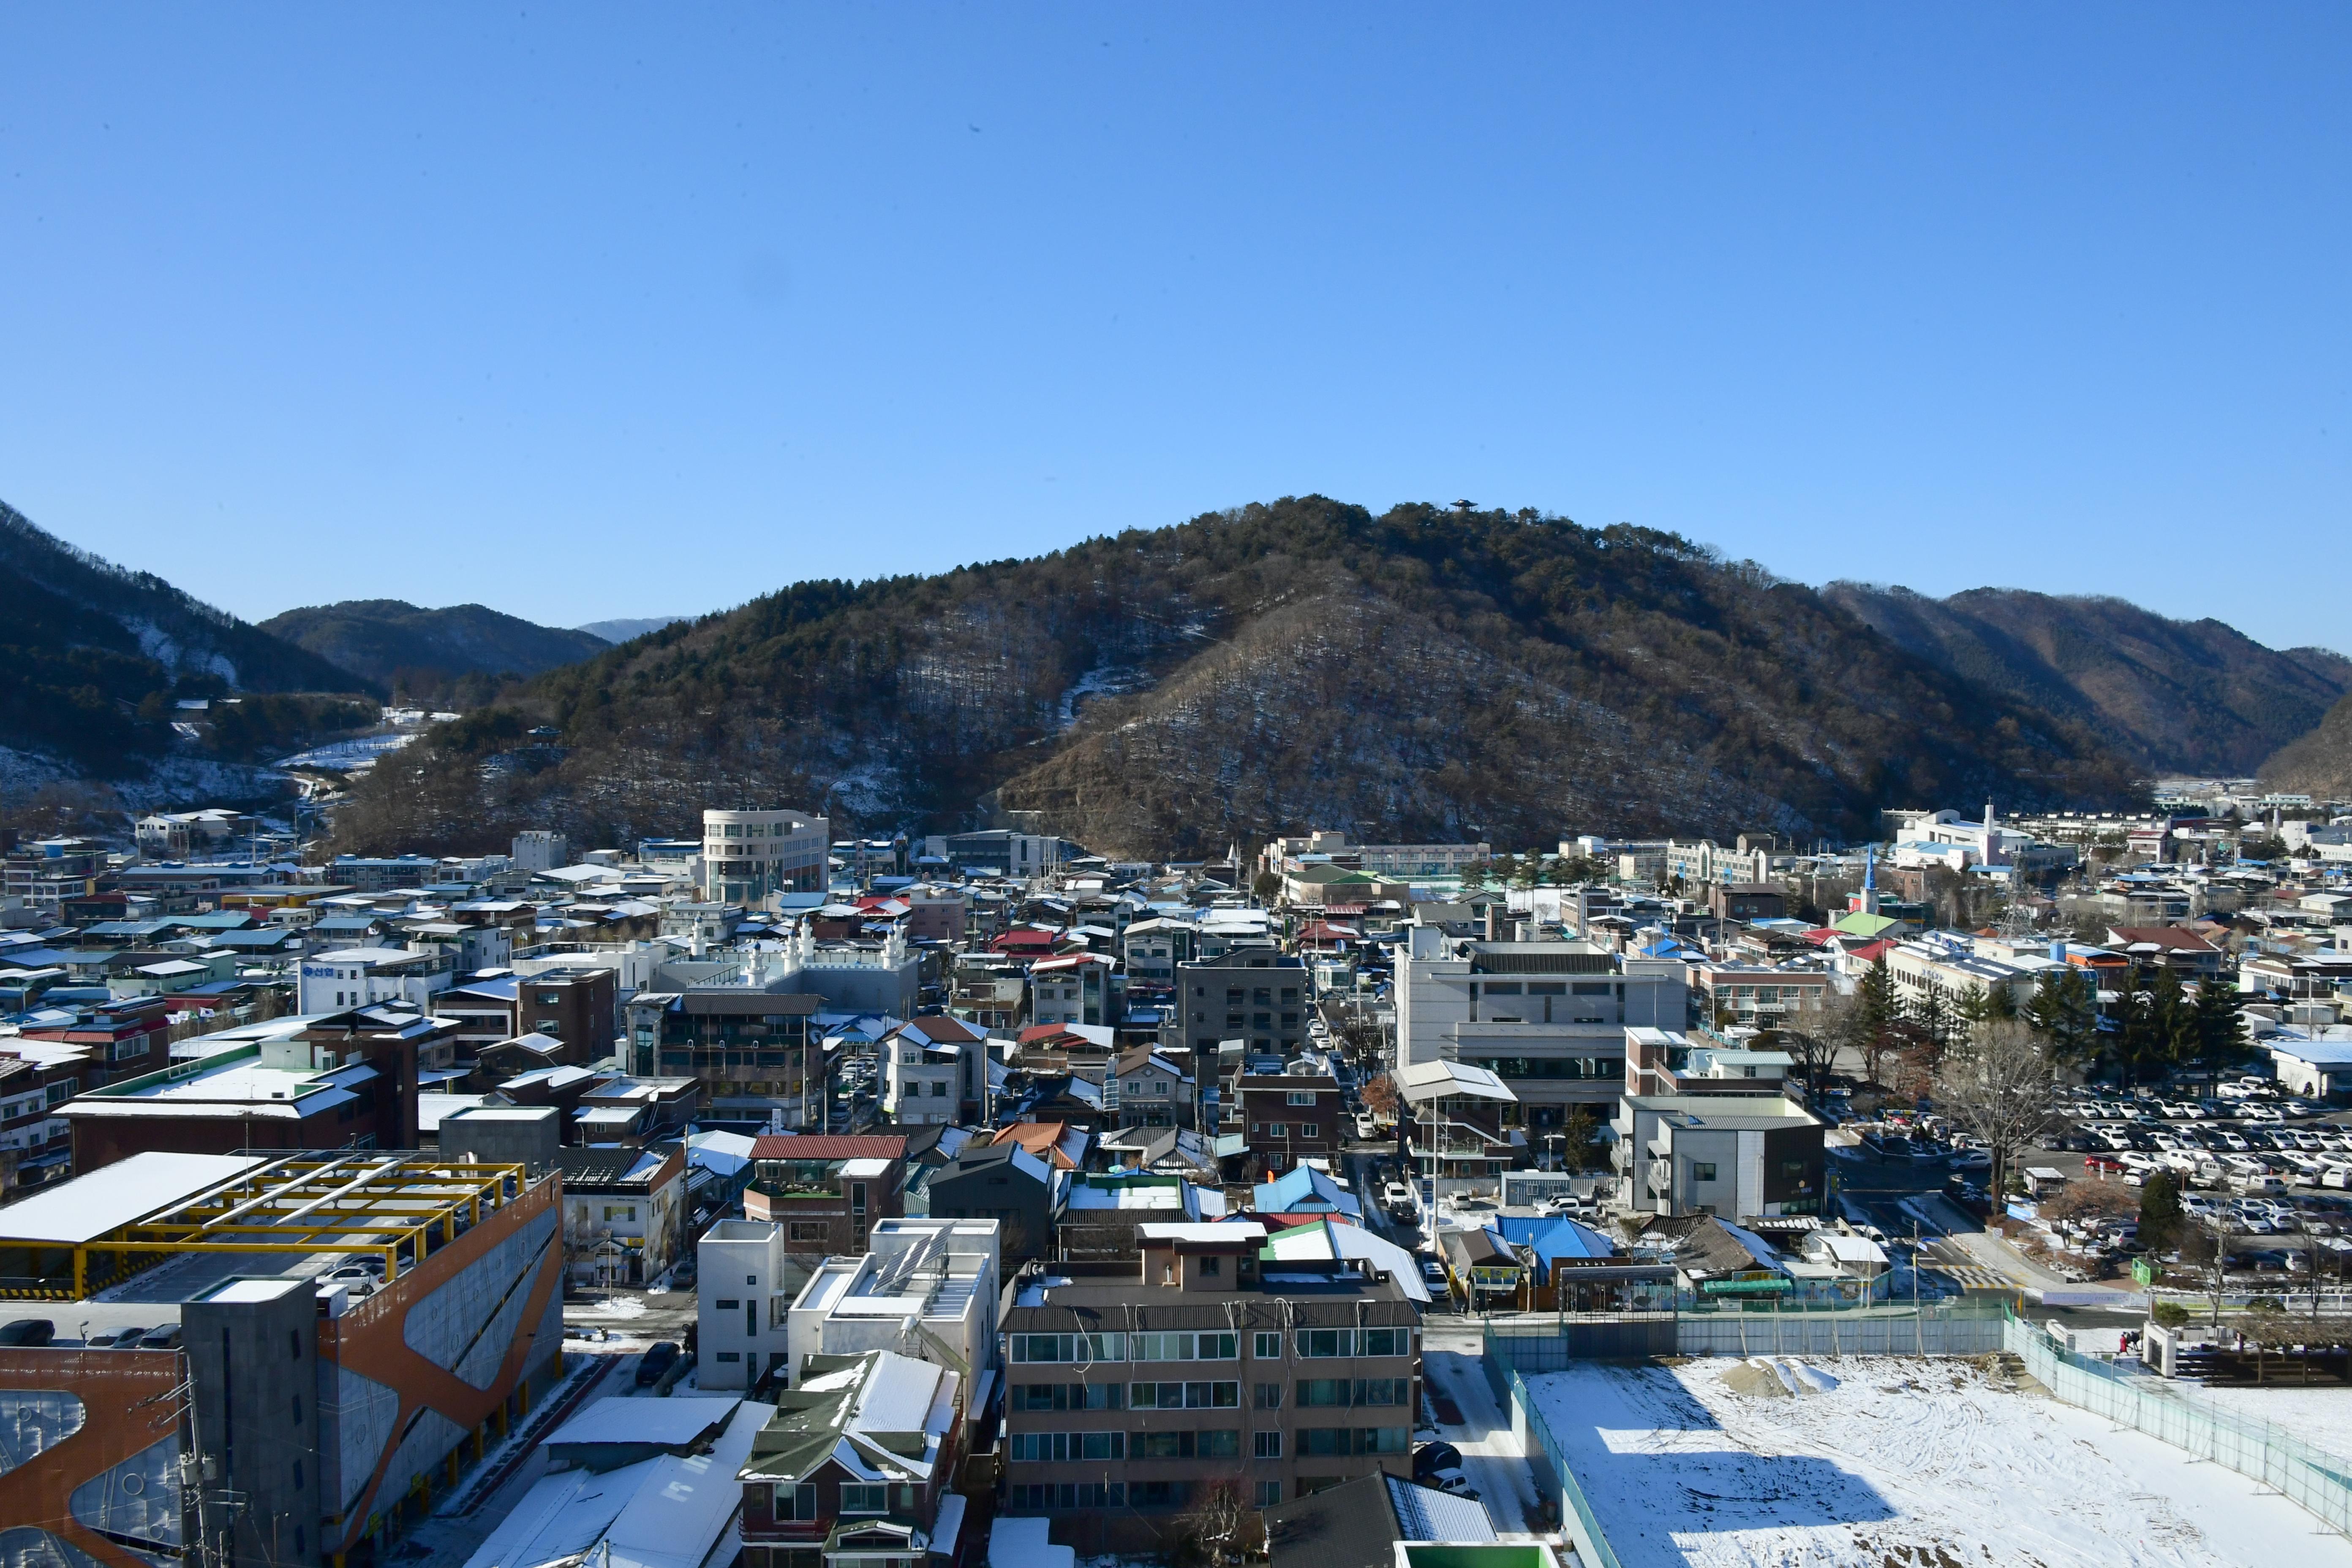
x=1266, y=1446
x=857, y=1498
x=728, y=1306
x=1225, y=1444
x=1314, y=1392
x=1702, y=1170
x=1269, y=1492
x=551, y=998
x=1311, y=1130
x=1079, y=1494
x=1337, y=1440
x=1069, y=1396
x=620, y=1211
x=1081, y=1347
x=1178, y=1347
x=1183, y=1396
x=1279, y=1129
x=730, y=1355
x=1212, y=1266
x=1269, y=1396
x=1299, y=1097
x=1266, y=1344
x=810, y=1230
x=1316, y=1343
x=1057, y=1448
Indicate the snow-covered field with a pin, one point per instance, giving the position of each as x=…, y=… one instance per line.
x=1882, y=1462
x=2320, y=1416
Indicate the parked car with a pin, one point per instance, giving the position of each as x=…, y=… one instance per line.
x=657, y=1362
x=1432, y=1457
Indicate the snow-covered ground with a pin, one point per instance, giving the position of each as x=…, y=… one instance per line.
x=2320, y=1416
x=1882, y=1462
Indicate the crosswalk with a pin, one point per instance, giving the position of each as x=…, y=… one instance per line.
x=1970, y=1276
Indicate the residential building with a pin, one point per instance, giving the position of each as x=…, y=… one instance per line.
x=1006, y=1185
x=736, y=1042
x=924, y=1288
x=1762, y=996
x=1295, y=1373
x=829, y=1192
x=1153, y=948
x=749, y=857
x=743, y=1287
x=857, y=1466
x=624, y=1211
x=1074, y=988
x=1732, y=1156
x=538, y=849
x=1253, y=994
x=1662, y=1061
x=44, y=873
x=575, y=1004
x=931, y=1069
x=1747, y=901
x=1288, y=1117
x=1103, y=1213
x=1147, y=1089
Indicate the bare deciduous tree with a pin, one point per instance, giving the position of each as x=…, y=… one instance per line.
x=1997, y=1085
x=1223, y=1526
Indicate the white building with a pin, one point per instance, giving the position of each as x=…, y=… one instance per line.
x=927, y=1288
x=750, y=856
x=362, y=976
x=739, y=1273
x=929, y=1069
x=540, y=850
x=1732, y=1156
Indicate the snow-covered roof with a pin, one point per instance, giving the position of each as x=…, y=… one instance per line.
x=667, y=1422
x=114, y=1195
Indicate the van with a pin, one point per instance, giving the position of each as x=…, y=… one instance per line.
x=2263, y=1182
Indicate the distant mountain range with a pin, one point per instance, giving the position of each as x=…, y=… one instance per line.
x=625, y=631
x=397, y=644
x=1423, y=674
x=2176, y=697
x=94, y=659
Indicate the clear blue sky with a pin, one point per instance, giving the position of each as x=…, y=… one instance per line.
x=584, y=312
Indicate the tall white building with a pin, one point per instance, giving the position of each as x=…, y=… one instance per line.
x=540, y=850
x=749, y=856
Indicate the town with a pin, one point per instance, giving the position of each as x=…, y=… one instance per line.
x=792, y=1201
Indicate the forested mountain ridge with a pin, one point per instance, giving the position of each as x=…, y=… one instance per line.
x=2177, y=697
x=405, y=646
x=1423, y=674
x=92, y=658
x=2318, y=765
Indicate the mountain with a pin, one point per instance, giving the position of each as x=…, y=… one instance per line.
x=2177, y=697
x=2318, y=765
x=398, y=642
x=93, y=657
x=628, y=630
x=1422, y=674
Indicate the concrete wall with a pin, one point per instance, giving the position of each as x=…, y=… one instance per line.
x=254, y=1367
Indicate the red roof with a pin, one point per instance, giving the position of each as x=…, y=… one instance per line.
x=819, y=1147
x=1024, y=936
x=1873, y=951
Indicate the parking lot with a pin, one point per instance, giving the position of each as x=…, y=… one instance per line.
x=2272, y=1172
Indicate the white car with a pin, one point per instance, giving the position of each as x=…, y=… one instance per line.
x=1396, y=1195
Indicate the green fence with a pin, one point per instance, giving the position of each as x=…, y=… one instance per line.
x=1545, y=1456
x=2315, y=1479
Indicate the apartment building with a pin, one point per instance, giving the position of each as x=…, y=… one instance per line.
x=368, y=977
x=1547, y=1018
x=1075, y=988
x=749, y=857
x=737, y=1041
x=1251, y=993
x=624, y=1211
x=1133, y=1388
x=1762, y=996
x=1146, y=1088
x=1662, y=1061
x=828, y=1192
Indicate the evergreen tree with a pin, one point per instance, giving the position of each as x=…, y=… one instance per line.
x=2219, y=1037
x=2160, y=1212
x=2065, y=1011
